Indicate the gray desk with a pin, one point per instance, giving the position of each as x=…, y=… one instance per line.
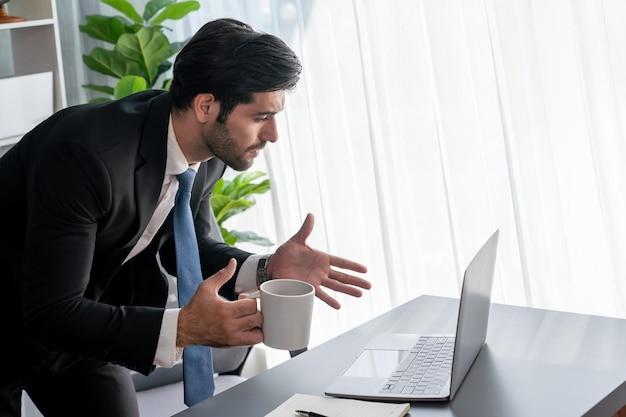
x=535, y=363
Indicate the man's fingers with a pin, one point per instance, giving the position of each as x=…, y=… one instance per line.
x=319, y=293
x=245, y=323
x=251, y=337
x=343, y=285
x=251, y=321
x=244, y=307
x=305, y=230
x=348, y=280
x=344, y=263
x=239, y=323
x=217, y=280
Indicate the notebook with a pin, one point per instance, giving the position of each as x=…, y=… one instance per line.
x=338, y=407
x=390, y=366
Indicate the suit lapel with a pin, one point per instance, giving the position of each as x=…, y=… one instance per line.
x=151, y=161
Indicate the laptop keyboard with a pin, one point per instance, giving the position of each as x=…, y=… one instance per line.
x=425, y=370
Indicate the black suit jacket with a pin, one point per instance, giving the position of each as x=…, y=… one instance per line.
x=76, y=193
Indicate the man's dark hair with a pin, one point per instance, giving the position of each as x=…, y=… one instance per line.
x=230, y=60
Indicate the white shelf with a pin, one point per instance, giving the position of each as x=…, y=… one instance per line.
x=27, y=24
x=35, y=48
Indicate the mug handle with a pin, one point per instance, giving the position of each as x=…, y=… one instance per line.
x=254, y=294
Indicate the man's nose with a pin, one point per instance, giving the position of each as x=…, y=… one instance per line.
x=269, y=132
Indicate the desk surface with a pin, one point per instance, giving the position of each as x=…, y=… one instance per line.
x=535, y=363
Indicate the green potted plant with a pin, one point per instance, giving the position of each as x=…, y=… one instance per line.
x=231, y=197
x=140, y=50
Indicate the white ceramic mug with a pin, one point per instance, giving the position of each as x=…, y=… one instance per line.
x=287, y=309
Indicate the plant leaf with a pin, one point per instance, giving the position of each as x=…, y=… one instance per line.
x=106, y=28
x=137, y=27
x=228, y=237
x=177, y=46
x=251, y=237
x=148, y=48
x=240, y=180
x=175, y=11
x=99, y=100
x=232, y=208
x=162, y=69
x=219, y=186
x=153, y=6
x=218, y=202
x=130, y=84
x=248, y=190
x=99, y=88
x=124, y=7
x=247, y=177
x=110, y=63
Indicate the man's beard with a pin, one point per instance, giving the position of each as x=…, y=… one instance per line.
x=222, y=145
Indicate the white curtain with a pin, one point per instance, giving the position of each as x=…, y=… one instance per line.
x=419, y=127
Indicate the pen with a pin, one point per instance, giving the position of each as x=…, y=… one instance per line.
x=308, y=413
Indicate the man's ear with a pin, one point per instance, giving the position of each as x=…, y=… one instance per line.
x=205, y=107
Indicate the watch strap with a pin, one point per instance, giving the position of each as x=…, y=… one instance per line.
x=261, y=270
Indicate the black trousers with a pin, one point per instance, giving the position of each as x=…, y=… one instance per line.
x=88, y=388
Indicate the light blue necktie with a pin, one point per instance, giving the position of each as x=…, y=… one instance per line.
x=197, y=360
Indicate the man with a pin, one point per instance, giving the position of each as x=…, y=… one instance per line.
x=86, y=229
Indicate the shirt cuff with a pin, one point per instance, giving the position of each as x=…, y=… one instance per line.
x=167, y=353
x=246, y=278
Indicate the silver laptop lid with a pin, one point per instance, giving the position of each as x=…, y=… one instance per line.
x=473, y=311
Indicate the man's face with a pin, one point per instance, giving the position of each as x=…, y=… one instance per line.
x=246, y=130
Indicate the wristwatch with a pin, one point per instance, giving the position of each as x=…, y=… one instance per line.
x=261, y=270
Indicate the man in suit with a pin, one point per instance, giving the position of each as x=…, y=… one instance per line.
x=86, y=229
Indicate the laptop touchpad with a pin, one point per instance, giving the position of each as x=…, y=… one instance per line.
x=376, y=363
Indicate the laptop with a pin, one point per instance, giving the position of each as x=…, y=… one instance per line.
x=426, y=367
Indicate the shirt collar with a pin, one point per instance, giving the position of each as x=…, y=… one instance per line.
x=176, y=162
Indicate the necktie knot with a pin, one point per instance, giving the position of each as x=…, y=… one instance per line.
x=185, y=180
